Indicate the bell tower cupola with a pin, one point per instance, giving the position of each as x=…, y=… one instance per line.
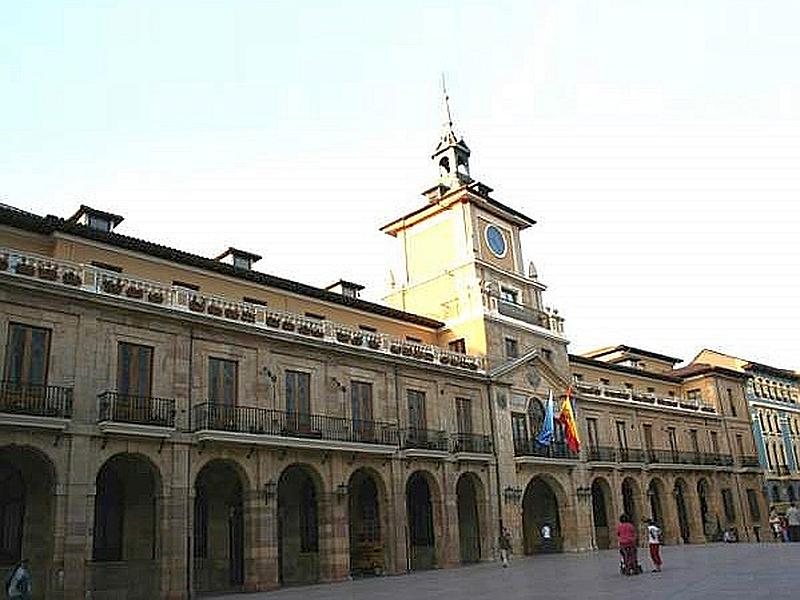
x=452, y=153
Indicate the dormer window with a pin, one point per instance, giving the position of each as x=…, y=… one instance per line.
x=238, y=259
x=96, y=220
x=509, y=295
x=348, y=289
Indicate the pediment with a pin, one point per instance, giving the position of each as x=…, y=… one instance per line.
x=530, y=375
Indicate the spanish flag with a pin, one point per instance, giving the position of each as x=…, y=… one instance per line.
x=567, y=419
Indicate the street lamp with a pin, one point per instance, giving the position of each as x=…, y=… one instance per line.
x=512, y=494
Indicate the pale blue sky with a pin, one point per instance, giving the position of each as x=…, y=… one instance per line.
x=657, y=143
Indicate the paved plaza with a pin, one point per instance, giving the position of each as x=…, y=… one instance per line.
x=715, y=571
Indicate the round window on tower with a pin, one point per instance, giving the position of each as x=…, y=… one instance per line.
x=496, y=241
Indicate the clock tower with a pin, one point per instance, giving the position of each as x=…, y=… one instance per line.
x=461, y=263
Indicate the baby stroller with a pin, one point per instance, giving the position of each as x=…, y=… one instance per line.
x=628, y=562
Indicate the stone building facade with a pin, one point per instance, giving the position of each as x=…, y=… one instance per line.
x=172, y=424
x=773, y=399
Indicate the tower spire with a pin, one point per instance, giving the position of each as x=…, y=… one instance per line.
x=451, y=154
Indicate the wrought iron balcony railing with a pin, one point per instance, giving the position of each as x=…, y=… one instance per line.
x=139, y=410
x=425, y=439
x=471, y=442
x=533, y=448
x=631, y=455
x=265, y=421
x=602, y=454
x=36, y=400
x=749, y=461
x=781, y=470
x=596, y=390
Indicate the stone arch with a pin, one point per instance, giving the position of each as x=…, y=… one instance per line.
x=656, y=499
x=631, y=500
x=126, y=526
x=602, y=517
x=708, y=516
x=680, y=492
x=423, y=506
x=368, y=523
x=541, y=504
x=300, y=504
x=219, y=530
x=28, y=483
x=472, y=519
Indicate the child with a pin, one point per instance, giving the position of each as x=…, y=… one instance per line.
x=654, y=540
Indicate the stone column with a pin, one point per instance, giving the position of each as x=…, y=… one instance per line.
x=399, y=520
x=448, y=552
x=176, y=516
x=334, y=560
x=79, y=520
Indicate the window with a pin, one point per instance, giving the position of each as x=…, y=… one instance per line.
x=98, y=223
x=740, y=444
x=730, y=402
x=694, y=441
x=647, y=430
x=622, y=437
x=458, y=345
x=27, y=354
x=752, y=502
x=694, y=395
x=547, y=354
x=673, y=440
x=519, y=429
x=464, y=415
x=134, y=369
x=361, y=406
x=577, y=377
x=416, y=410
x=671, y=393
x=591, y=429
x=651, y=390
x=727, y=505
x=509, y=295
x=106, y=266
x=413, y=340
x=298, y=399
x=368, y=329
x=628, y=386
x=256, y=301
x=512, y=348
x=605, y=381
x=189, y=286
x=315, y=316
x=715, y=442
x=222, y=381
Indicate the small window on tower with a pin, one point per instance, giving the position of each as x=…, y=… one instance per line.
x=458, y=345
x=444, y=166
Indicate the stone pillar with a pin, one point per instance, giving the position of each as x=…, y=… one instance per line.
x=333, y=544
x=79, y=520
x=448, y=552
x=259, y=570
x=399, y=521
x=176, y=516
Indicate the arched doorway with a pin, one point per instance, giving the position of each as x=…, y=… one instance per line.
x=707, y=517
x=601, y=493
x=367, y=552
x=422, y=540
x=630, y=500
x=540, y=508
x=469, y=531
x=218, y=527
x=126, y=528
x=683, y=514
x=298, y=525
x=27, y=488
x=655, y=496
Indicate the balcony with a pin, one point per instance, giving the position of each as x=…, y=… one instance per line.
x=531, y=448
x=47, y=406
x=631, y=455
x=135, y=410
x=602, y=454
x=425, y=439
x=472, y=443
x=531, y=316
x=589, y=390
x=94, y=280
x=781, y=470
x=250, y=424
x=749, y=462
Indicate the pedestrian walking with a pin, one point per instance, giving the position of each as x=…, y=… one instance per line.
x=627, y=538
x=775, y=525
x=18, y=583
x=654, y=541
x=504, y=543
x=547, y=538
x=793, y=522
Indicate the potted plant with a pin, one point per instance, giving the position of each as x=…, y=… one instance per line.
x=134, y=292
x=155, y=297
x=395, y=348
x=231, y=313
x=304, y=328
x=24, y=268
x=272, y=320
x=214, y=309
x=110, y=286
x=71, y=278
x=287, y=325
x=317, y=332
x=47, y=273
x=374, y=342
x=248, y=316
x=406, y=350
x=342, y=336
x=3, y=262
x=444, y=359
x=197, y=305
x=357, y=339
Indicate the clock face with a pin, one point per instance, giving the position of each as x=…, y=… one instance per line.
x=496, y=241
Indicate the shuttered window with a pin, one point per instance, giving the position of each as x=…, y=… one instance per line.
x=134, y=369
x=222, y=377
x=27, y=354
